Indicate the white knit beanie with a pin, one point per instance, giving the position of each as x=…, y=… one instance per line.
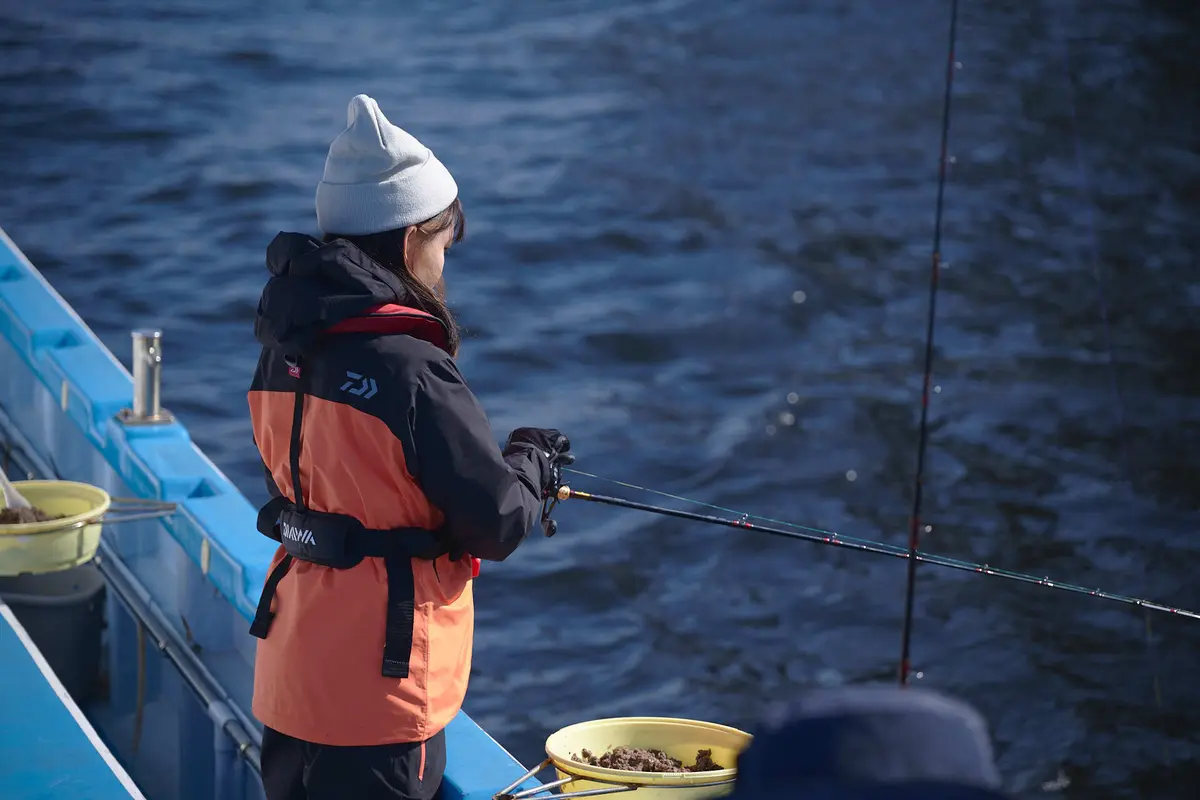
x=379, y=177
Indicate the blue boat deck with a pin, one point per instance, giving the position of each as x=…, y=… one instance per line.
x=47, y=746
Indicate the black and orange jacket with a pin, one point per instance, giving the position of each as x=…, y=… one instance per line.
x=393, y=437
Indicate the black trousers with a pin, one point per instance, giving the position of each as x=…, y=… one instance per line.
x=297, y=770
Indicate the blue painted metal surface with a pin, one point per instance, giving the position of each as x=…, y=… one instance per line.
x=203, y=568
x=47, y=747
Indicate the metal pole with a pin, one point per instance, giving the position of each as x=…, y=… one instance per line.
x=147, y=373
x=147, y=381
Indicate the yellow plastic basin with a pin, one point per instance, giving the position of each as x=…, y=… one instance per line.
x=678, y=738
x=56, y=544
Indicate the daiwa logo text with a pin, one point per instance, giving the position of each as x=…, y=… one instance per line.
x=302, y=535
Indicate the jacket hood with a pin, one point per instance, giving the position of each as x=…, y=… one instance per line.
x=314, y=286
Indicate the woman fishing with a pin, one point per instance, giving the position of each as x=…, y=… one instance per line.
x=387, y=484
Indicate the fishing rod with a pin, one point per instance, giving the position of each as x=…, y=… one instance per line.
x=819, y=536
x=914, y=526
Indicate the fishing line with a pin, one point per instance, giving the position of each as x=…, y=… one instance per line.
x=735, y=512
x=832, y=538
x=914, y=526
x=1102, y=302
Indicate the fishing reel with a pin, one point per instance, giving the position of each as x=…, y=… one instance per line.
x=553, y=493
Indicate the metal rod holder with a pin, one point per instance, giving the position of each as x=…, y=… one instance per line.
x=121, y=510
x=134, y=509
x=510, y=792
x=147, y=381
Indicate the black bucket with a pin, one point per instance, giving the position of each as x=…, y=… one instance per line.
x=63, y=612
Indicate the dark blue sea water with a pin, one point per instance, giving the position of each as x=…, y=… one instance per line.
x=698, y=242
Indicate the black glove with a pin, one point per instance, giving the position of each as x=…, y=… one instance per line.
x=548, y=440
x=550, y=443
x=553, y=445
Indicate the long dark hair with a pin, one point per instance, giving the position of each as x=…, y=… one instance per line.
x=387, y=248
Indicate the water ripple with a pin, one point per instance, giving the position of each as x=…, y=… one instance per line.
x=698, y=243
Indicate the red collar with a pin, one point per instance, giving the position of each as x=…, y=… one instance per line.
x=391, y=318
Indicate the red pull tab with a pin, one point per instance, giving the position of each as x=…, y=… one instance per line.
x=475, y=564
